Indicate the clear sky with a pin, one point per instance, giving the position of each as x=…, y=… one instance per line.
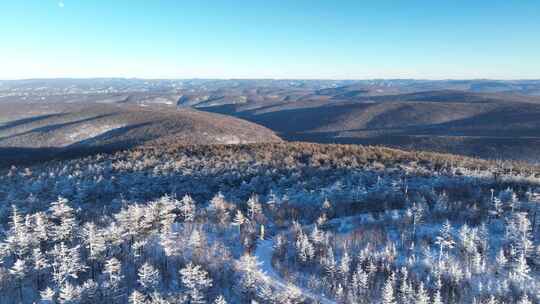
x=354, y=39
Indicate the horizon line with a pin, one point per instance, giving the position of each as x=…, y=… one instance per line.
x=271, y=78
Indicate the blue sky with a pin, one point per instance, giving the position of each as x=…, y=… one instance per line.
x=270, y=39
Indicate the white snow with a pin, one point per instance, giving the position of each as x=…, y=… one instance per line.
x=88, y=131
x=263, y=253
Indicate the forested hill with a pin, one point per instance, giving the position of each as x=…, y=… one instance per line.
x=274, y=223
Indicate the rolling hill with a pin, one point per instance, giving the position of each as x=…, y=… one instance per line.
x=489, y=125
x=44, y=130
x=484, y=118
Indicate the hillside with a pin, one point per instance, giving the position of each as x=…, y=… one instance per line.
x=44, y=130
x=270, y=222
x=483, y=118
x=489, y=125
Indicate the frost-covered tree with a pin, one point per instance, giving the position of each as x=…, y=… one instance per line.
x=18, y=271
x=248, y=267
x=501, y=261
x=40, y=264
x=290, y=295
x=239, y=220
x=69, y=294
x=422, y=296
x=47, y=296
x=42, y=226
x=388, y=295
x=196, y=280
x=18, y=238
x=66, y=263
x=113, y=271
x=136, y=297
x=187, y=208
x=496, y=208
x=437, y=299
x=254, y=207
x=360, y=283
x=445, y=239
x=521, y=270
x=149, y=277
x=66, y=223
x=94, y=241
x=524, y=300
x=220, y=300
x=416, y=214
x=305, y=249
x=518, y=233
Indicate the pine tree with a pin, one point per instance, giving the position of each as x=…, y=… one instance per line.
x=248, y=267
x=220, y=300
x=239, y=220
x=47, y=296
x=405, y=289
x=521, y=270
x=422, y=296
x=525, y=300
x=157, y=298
x=187, y=208
x=113, y=270
x=518, y=233
x=41, y=227
x=94, y=241
x=18, y=271
x=66, y=227
x=492, y=300
x=416, y=213
x=89, y=291
x=437, y=299
x=329, y=264
x=291, y=295
x=195, y=239
x=218, y=207
x=317, y=236
x=501, y=261
x=40, y=265
x=66, y=263
x=169, y=241
x=166, y=206
x=445, y=240
x=196, y=281
x=388, y=292
x=254, y=207
x=18, y=235
x=149, y=277
x=69, y=294
x=497, y=208
x=265, y=293
x=360, y=282
x=137, y=297
x=304, y=248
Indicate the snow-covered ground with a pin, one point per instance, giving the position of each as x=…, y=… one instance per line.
x=88, y=131
x=264, y=256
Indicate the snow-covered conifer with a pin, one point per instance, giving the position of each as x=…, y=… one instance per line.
x=196, y=280
x=149, y=277
x=388, y=294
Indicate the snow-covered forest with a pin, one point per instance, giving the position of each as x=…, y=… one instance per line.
x=270, y=223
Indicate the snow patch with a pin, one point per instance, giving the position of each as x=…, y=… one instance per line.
x=88, y=131
x=230, y=140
